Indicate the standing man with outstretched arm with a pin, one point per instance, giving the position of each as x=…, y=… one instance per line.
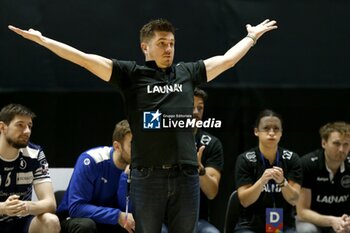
x=164, y=176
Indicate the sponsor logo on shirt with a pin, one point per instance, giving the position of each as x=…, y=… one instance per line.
x=22, y=164
x=104, y=180
x=205, y=140
x=86, y=161
x=251, y=156
x=157, y=120
x=345, y=181
x=169, y=88
x=272, y=188
x=44, y=166
x=286, y=154
x=24, y=178
x=6, y=169
x=332, y=199
x=323, y=179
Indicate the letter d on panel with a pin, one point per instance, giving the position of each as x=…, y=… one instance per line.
x=274, y=220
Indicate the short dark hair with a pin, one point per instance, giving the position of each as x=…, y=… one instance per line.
x=339, y=126
x=200, y=93
x=266, y=113
x=121, y=129
x=147, y=31
x=10, y=111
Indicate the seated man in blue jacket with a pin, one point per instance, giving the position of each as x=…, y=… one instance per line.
x=91, y=203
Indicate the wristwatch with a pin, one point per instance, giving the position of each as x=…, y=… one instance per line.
x=201, y=171
x=284, y=183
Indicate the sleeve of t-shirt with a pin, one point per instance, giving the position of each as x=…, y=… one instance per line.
x=198, y=71
x=305, y=164
x=41, y=172
x=81, y=194
x=121, y=73
x=243, y=172
x=295, y=172
x=215, y=156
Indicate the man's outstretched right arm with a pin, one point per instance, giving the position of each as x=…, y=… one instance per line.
x=98, y=65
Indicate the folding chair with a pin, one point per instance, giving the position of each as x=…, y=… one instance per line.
x=59, y=196
x=232, y=212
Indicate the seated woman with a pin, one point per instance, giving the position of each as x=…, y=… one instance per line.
x=268, y=178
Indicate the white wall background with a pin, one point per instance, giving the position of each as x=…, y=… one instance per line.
x=60, y=178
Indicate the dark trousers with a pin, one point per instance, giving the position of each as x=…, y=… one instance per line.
x=159, y=194
x=87, y=225
x=18, y=225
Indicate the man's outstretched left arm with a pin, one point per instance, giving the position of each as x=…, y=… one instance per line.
x=218, y=64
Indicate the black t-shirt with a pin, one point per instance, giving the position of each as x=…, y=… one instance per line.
x=329, y=197
x=213, y=156
x=152, y=97
x=249, y=168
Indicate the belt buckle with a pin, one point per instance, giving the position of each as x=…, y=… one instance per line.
x=167, y=166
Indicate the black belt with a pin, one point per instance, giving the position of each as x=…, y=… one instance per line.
x=174, y=167
x=168, y=167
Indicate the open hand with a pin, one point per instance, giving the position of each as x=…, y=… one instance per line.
x=30, y=34
x=258, y=30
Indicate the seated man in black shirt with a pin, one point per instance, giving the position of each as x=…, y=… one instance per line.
x=324, y=202
x=211, y=162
